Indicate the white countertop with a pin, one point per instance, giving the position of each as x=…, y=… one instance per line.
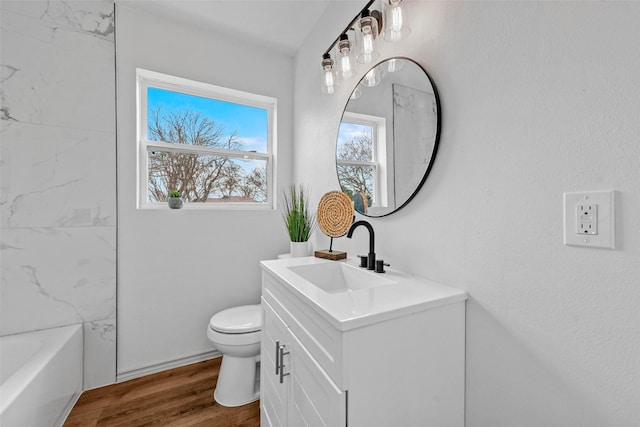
x=356, y=308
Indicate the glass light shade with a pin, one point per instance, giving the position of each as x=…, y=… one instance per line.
x=345, y=58
x=329, y=79
x=372, y=78
x=367, y=31
x=394, y=64
x=357, y=93
x=395, y=26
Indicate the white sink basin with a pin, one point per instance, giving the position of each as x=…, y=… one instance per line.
x=349, y=296
x=336, y=277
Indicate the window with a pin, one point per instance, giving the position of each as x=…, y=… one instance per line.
x=361, y=160
x=214, y=145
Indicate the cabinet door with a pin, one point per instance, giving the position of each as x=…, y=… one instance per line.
x=306, y=396
x=315, y=399
x=274, y=395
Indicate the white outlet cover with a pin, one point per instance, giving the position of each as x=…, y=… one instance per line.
x=606, y=237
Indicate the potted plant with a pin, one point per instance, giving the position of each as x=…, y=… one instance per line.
x=174, y=200
x=298, y=218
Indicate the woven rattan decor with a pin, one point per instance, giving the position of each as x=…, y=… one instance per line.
x=335, y=213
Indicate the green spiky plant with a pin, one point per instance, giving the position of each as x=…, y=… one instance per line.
x=175, y=193
x=298, y=218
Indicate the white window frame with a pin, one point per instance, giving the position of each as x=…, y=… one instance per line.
x=146, y=79
x=379, y=161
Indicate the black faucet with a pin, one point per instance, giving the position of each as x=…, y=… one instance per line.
x=371, y=257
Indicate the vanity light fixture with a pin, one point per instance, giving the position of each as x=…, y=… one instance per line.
x=366, y=26
x=368, y=33
x=395, y=28
x=346, y=67
x=329, y=78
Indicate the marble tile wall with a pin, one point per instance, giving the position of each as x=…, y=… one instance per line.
x=58, y=173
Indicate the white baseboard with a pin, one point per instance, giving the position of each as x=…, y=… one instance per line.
x=154, y=369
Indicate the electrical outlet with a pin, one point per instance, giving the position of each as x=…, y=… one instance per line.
x=589, y=219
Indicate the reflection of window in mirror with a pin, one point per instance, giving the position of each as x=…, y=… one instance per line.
x=361, y=159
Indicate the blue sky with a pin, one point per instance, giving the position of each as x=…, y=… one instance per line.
x=349, y=131
x=249, y=122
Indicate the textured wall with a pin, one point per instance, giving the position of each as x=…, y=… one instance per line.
x=58, y=204
x=538, y=98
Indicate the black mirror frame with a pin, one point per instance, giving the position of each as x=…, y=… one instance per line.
x=436, y=141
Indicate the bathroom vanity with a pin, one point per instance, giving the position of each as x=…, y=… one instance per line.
x=346, y=346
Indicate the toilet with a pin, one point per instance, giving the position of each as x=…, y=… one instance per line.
x=236, y=334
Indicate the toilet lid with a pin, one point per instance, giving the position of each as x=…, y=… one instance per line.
x=237, y=320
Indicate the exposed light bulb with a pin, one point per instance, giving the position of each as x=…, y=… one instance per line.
x=368, y=33
x=329, y=81
x=367, y=43
x=395, y=28
x=367, y=49
x=346, y=70
x=373, y=77
x=396, y=19
x=345, y=66
x=370, y=78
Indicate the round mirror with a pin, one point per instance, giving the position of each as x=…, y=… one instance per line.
x=388, y=137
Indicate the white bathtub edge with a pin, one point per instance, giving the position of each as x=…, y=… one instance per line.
x=56, y=368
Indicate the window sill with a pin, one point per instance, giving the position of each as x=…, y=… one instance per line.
x=208, y=207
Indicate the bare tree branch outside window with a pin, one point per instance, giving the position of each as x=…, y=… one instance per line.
x=356, y=179
x=199, y=177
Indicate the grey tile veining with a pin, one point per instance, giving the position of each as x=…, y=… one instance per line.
x=57, y=177
x=99, y=353
x=56, y=276
x=58, y=174
x=56, y=60
x=89, y=17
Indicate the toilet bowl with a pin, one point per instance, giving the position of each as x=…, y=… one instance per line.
x=236, y=334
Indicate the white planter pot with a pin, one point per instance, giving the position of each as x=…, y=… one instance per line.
x=299, y=249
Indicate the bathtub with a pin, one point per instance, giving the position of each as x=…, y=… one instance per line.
x=40, y=376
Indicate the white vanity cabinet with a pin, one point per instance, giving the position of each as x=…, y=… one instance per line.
x=295, y=389
x=384, y=364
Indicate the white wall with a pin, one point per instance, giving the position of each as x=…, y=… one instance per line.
x=176, y=268
x=58, y=194
x=538, y=98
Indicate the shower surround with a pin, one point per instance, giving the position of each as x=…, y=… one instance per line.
x=58, y=182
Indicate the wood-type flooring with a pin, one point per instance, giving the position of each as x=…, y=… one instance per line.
x=181, y=397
